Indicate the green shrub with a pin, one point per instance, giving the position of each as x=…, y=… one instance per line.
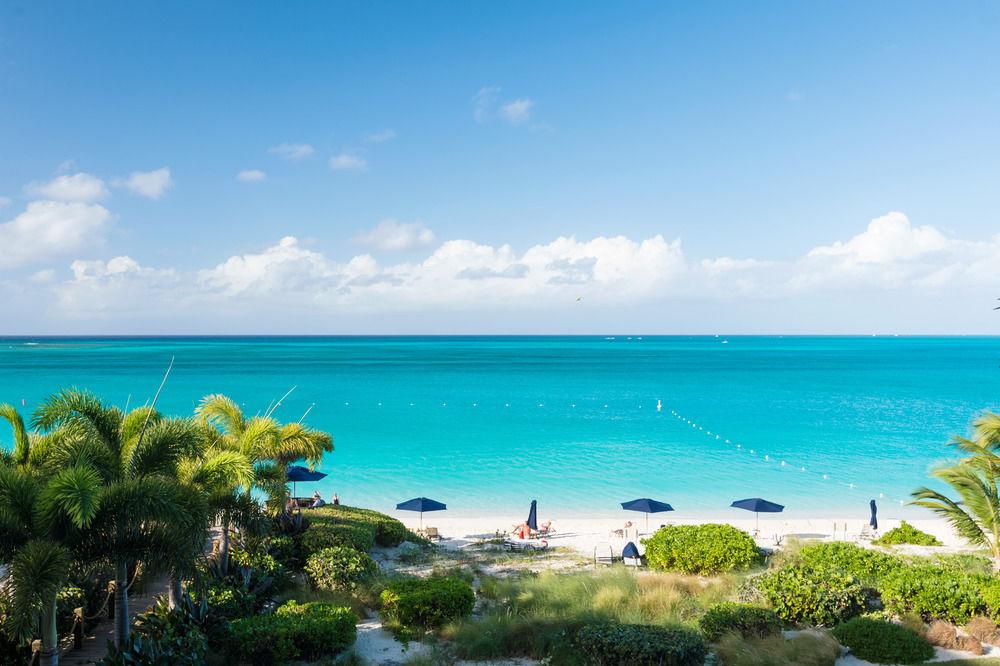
x=744, y=619
x=803, y=593
x=426, y=602
x=867, y=565
x=935, y=593
x=294, y=632
x=163, y=636
x=809, y=648
x=640, y=644
x=339, y=568
x=324, y=535
x=282, y=548
x=883, y=642
x=907, y=533
x=701, y=549
x=263, y=564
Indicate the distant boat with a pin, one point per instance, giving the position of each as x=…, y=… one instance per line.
x=725, y=342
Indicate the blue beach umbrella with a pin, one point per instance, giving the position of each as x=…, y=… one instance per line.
x=874, y=519
x=647, y=506
x=298, y=473
x=533, y=515
x=421, y=504
x=758, y=506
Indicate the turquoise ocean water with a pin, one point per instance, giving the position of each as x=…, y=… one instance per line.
x=487, y=423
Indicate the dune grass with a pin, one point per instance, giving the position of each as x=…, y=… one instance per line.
x=538, y=616
x=810, y=648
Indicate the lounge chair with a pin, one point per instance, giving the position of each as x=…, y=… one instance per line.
x=601, y=558
x=519, y=545
x=432, y=533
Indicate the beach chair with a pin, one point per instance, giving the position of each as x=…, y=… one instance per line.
x=601, y=559
x=865, y=534
x=432, y=534
x=519, y=546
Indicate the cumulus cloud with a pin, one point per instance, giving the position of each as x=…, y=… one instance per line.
x=4, y=201
x=391, y=235
x=887, y=239
x=381, y=136
x=292, y=151
x=150, y=184
x=487, y=105
x=70, y=187
x=348, y=162
x=251, y=176
x=49, y=229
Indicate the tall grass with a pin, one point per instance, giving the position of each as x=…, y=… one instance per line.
x=809, y=648
x=538, y=616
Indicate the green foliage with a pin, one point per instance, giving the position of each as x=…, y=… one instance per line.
x=320, y=535
x=883, y=642
x=907, y=533
x=809, y=648
x=294, y=632
x=262, y=564
x=426, y=602
x=935, y=592
x=867, y=565
x=701, y=549
x=809, y=594
x=640, y=644
x=338, y=567
x=744, y=619
x=163, y=637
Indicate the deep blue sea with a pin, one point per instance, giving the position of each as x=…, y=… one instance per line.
x=820, y=424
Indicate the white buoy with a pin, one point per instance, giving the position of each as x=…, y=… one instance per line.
x=659, y=405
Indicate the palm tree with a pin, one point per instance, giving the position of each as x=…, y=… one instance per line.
x=38, y=517
x=267, y=445
x=142, y=507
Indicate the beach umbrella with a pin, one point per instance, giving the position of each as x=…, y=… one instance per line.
x=647, y=506
x=533, y=515
x=874, y=519
x=421, y=504
x=758, y=506
x=298, y=473
x=630, y=551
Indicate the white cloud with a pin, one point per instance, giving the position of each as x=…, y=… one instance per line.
x=48, y=229
x=292, y=151
x=4, y=201
x=382, y=136
x=348, y=162
x=487, y=105
x=150, y=184
x=392, y=235
x=76, y=187
x=251, y=176
x=285, y=265
x=887, y=239
x=44, y=276
x=517, y=111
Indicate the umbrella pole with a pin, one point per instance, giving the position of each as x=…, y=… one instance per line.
x=757, y=518
x=647, y=522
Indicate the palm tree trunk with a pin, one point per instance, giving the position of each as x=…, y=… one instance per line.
x=224, y=546
x=174, y=591
x=121, y=604
x=49, y=656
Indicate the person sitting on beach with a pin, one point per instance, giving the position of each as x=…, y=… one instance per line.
x=291, y=505
x=336, y=500
x=318, y=501
x=546, y=527
x=523, y=531
x=623, y=530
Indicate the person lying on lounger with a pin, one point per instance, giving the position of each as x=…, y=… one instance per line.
x=625, y=528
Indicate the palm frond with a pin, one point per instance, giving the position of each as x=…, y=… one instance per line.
x=22, y=442
x=74, y=492
x=222, y=412
x=163, y=445
x=37, y=572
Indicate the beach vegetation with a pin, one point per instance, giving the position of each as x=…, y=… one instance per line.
x=411, y=604
x=747, y=620
x=294, y=632
x=883, y=642
x=907, y=534
x=812, y=595
x=869, y=566
x=701, y=549
x=808, y=648
x=339, y=568
x=640, y=644
x=934, y=592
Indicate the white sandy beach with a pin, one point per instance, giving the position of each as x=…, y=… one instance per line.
x=584, y=535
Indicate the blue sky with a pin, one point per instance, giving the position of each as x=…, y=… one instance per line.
x=445, y=148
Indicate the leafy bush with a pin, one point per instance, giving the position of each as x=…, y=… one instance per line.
x=322, y=535
x=162, y=637
x=426, y=602
x=294, y=632
x=339, y=568
x=883, y=642
x=282, y=548
x=262, y=564
x=907, y=533
x=809, y=648
x=934, y=593
x=744, y=619
x=701, y=549
x=803, y=593
x=867, y=565
x=640, y=644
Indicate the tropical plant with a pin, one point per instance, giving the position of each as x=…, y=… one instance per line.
x=38, y=518
x=268, y=446
x=883, y=642
x=142, y=514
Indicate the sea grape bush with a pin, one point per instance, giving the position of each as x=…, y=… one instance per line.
x=701, y=549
